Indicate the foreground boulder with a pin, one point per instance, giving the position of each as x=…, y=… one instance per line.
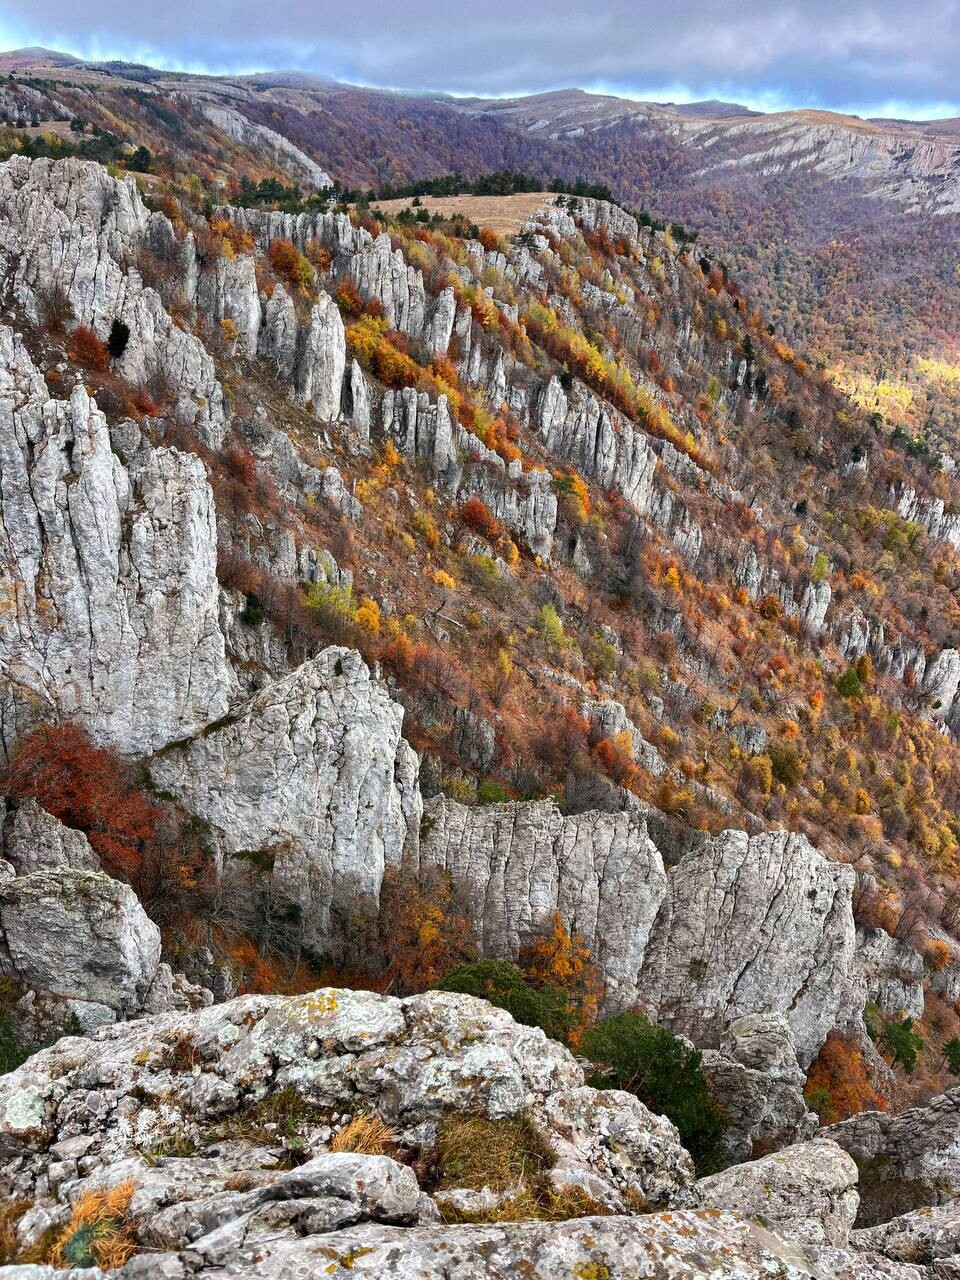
x=168, y=1080
x=194, y=1121
x=686, y=1245
x=806, y=1193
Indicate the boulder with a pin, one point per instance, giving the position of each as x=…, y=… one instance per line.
x=36, y=841
x=756, y=1079
x=806, y=1193
x=139, y=1086
x=612, y=1147
x=79, y=935
x=684, y=1245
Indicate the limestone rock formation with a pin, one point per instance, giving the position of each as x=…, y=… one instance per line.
x=311, y=775
x=756, y=924
x=755, y=1078
x=719, y=936
x=68, y=228
x=517, y=864
x=919, y=1149
x=422, y=429
x=236, y=125
x=322, y=363
x=806, y=1193
x=227, y=290
x=598, y=442
x=893, y=972
x=926, y=1235
x=382, y=275
x=36, y=841
x=108, y=573
x=79, y=935
x=278, y=336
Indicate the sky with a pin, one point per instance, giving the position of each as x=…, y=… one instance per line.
x=883, y=57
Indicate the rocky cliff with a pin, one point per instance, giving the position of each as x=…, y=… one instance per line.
x=521, y=544
x=107, y=572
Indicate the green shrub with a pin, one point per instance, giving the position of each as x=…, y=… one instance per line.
x=632, y=1053
x=901, y=1041
x=786, y=765
x=490, y=792
x=504, y=985
x=551, y=628
x=13, y=1054
x=849, y=684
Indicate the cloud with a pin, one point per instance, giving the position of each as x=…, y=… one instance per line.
x=865, y=55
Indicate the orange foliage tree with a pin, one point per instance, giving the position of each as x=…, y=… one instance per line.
x=88, y=787
x=838, y=1085
x=561, y=960
x=423, y=933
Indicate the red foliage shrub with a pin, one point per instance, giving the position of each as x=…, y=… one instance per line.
x=477, y=515
x=88, y=787
x=86, y=348
x=348, y=298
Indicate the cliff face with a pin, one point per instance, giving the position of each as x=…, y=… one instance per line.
x=107, y=572
x=116, y=617
x=71, y=235
x=719, y=935
x=312, y=776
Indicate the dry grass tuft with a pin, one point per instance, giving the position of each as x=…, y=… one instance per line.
x=10, y=1215
x=367, y=1136
x=99, y=1233
x=513, y=1159
x=475, y=1152
x=543, y=1204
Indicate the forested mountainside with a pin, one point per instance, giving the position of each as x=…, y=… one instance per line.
x=843, y=231
x=395, y=614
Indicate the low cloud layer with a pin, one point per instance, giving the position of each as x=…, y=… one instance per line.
x=877, y=56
